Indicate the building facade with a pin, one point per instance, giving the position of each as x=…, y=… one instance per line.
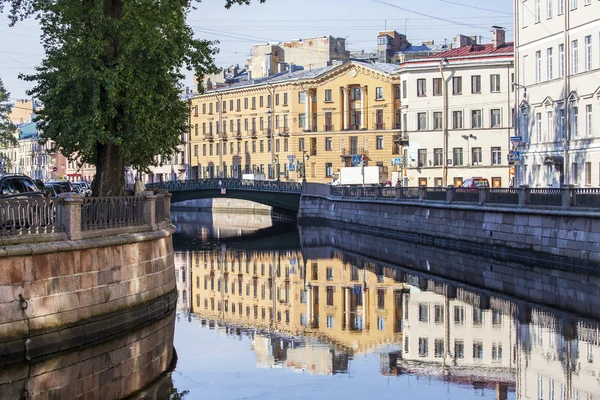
x=457, y=112
x=301, y=124
x=558, y=70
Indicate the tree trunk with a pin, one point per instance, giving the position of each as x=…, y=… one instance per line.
x=110, y=171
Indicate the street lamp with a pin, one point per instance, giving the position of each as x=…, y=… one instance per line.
x=516, y=121
x=444, y=63
x=305, y=158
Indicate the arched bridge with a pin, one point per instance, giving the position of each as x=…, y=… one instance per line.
x=282, y=196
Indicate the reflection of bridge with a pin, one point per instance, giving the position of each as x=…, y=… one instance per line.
x=279, y=195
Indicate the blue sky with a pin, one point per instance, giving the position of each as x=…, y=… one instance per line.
x=239, y=28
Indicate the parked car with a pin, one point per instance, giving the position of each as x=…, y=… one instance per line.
x=53, y=190
x=476, y=183
x=78, y=187
x=66, y=185
x=13, y=186
x=87, y=187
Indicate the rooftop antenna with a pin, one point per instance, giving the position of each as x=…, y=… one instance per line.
x=385, y=24
x=405, y=26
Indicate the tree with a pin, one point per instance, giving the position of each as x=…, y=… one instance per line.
x=7, y=128
x=110, y=82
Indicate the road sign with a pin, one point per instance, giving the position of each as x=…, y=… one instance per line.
x=291, y=159
x=292, y=167
x=516, y=138
x=356, y=160
x=223, y=191
x=397, y=161
x=54, y=169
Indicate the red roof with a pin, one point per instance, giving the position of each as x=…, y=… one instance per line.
x=475, y=50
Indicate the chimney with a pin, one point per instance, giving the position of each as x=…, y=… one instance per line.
x=499, y=36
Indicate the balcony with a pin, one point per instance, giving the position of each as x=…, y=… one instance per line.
x=210, y=137
x=401, y=138
x=355, y=127
x=238, y=135
x=354, y=151
x=284, y=131
x=379, y=126
x=223, y=136
x=253, y=133
x=328, y=128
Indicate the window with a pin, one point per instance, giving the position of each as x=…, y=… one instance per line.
x=329, y=290
x=379, y=142
x=253, y=103
x=423, y=312
x=561, y=7
x=538, y=11
x=457, y=120
x=301, y=144
x=588, y=120
x=575, y=173
x=457, y=85
x=549, y=63
x=422, y=153
x=437, y=86
x=438, y=348
x=497, y=351
x=477, y=316
x=438, y=312
x=378, y=93
x=437, y=120
x=301, y=97
x=328, y=95
x=495, y=83
x=497, y=318
x=421, y=87
x=245, y=103
x=302, y=120
x=574, y=57
x=561, y=60
x=476, y=155
x=458, y=156
x=496, y=156
x=476, y=119
x=421, y=121
x=356, y=94
x=476, y=84
x=438, y=157
x=276, y=99
x=588, y=173
x=549, y=8
x=550, y=123
x=495, y=118
x=423, y=347
x=328, y=143
x=203, y=108
x=573, y=4
x=330, y=321
x=269, y=100
x=538, y=66
x=380, y=323
x=477, y=350
x=588, y=53
x=404, y=90
x=538, y=126
x=459, y=349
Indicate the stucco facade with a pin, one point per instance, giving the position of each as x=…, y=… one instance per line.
x=557, y=47
x=320, y=119
x=457, y=116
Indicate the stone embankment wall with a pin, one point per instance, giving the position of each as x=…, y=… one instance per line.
x=57, y=295
x=110, y=370
x=550, y=236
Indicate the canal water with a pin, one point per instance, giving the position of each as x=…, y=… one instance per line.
x=263, y=315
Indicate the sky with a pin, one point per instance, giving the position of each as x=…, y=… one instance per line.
x=238, y=28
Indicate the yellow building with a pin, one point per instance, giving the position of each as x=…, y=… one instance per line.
x=302, y=123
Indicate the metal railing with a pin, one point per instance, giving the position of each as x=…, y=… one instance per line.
x=28, y=217
x=229, y=183
x=111, y=212
x=584, y=198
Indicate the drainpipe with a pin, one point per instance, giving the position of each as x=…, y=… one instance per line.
x=567, y=124
x=443, y=63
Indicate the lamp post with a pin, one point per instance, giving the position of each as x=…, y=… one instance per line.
x=276, y=166
x=517, y=124
x=305, y=158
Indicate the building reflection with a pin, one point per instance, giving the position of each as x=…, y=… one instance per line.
x=316, y=314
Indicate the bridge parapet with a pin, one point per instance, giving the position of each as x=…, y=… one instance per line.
x=229, y=183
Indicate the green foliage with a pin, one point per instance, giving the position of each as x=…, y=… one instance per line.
x=112, y=76
x=7, y=128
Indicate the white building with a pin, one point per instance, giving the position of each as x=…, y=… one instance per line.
x=457, y=113
x=557, y=63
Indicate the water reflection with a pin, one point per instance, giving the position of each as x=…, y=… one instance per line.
x=317, y=315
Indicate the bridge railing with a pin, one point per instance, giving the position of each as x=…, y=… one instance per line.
x=71, y=217
x=229, y=183
x=568, y=197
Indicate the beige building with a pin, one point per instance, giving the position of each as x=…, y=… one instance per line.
x=306, y=123
x=457, y=114
x=272, y=58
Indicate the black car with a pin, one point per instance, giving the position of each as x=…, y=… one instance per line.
x=14, y=186
x=65, y=185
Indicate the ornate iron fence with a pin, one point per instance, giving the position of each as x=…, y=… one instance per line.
x=229, y=183
x=408, y=193
x=467, y=195
x=586, y=197
x=112, y=212
x=369, y=191
x=544, y=197
x=436, y=193
x=502, y=196
x=388, y=192
x=28, y=217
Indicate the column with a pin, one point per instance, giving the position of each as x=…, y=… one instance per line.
x=345, y=108
x=308, y=306
x=363, y=95
x=307, y=110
